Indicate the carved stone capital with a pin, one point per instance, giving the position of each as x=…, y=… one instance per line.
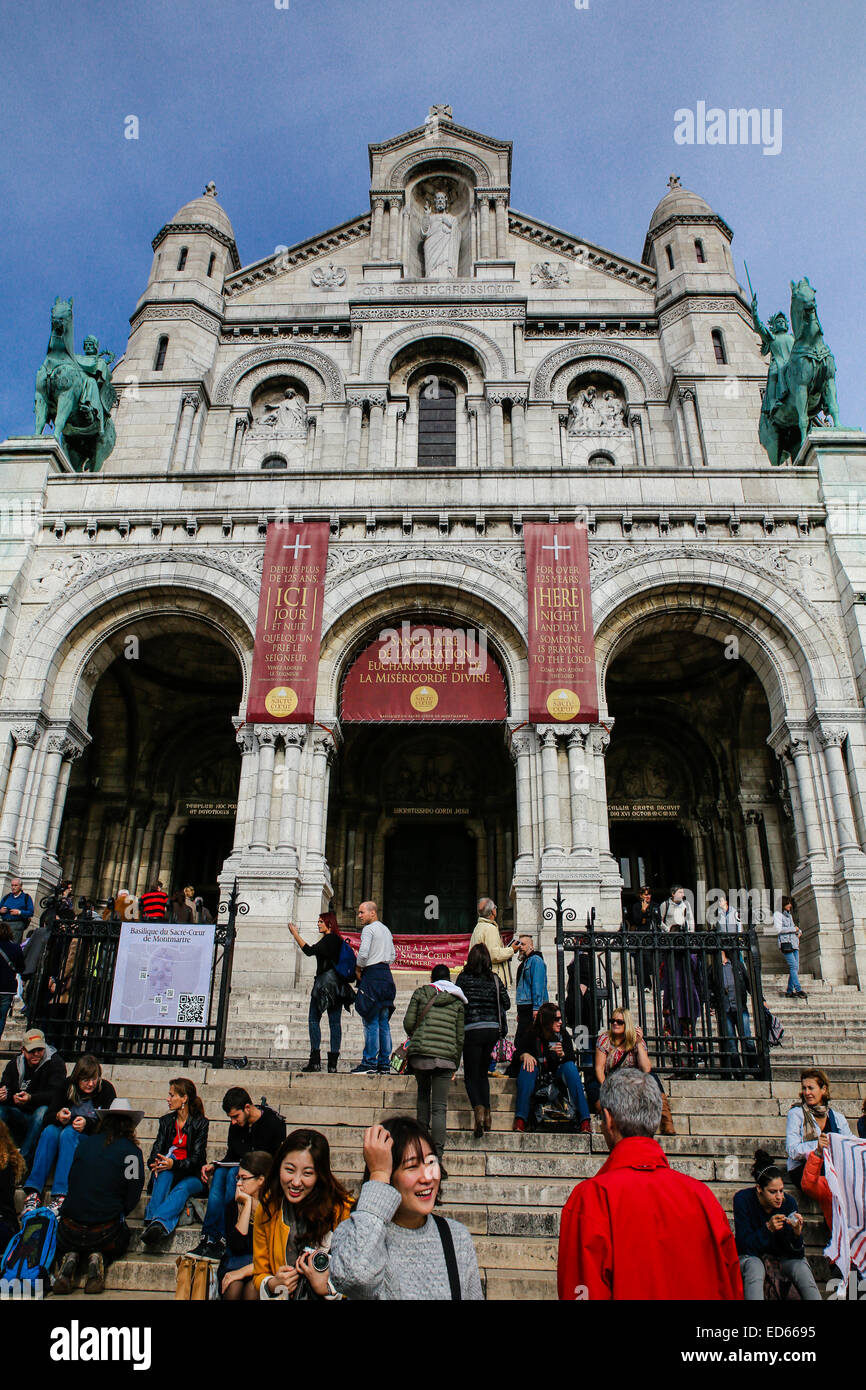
x=547, y=737
x=26, y=734
x=65, y=746
x=832, y=737
x=520, y=745
x=294, y=736
x=577, y=736
x=519, y=398
x=246, y=739
x=378, y=398
x=798, y=748
x=324, y=746
x=191, y=399
x=599, y=741
x=267, y=734
x=752, y=817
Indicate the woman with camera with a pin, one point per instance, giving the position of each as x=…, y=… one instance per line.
x=302, y=1203
x=236, y=1270
x=86, y=1094
x=178, y=1155
x=393, y=1247
x=768, y=1227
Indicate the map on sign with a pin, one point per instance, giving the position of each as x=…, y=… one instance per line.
x=162, y=976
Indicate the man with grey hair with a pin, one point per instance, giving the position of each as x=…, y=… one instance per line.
x=487, y=933
x=374, y=1003
x=638, y=1229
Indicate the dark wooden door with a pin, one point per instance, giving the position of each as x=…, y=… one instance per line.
x=429, y=880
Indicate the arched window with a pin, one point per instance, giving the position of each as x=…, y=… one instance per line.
x=670, y=256
x=699, y=252
x=181, y=260
x=437, y=424
x=161, y=350
x=719, y=346
x=211, y=263
x=274, y=461
x=600, y=461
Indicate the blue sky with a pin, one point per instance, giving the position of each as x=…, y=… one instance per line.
x=278, y=106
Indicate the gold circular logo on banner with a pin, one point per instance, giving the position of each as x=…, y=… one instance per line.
x=423, y=698
x=281, y=700
x=563, y=704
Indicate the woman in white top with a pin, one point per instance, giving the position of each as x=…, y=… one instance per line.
x=789, y=944
x=811, y=1121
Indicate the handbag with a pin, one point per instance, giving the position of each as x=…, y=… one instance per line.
x=787, y=949
x=400, y=1055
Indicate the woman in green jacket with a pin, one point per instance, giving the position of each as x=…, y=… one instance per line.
x=434, y=1026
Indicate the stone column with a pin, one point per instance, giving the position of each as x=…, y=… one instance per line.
x=599, y=743
x=395, y=219
x=796, y=811
x=310, y=442
x=357, y=332
x=190, y=403
x=324, y=753
x=400, y=415
x=246, y=740
x=319, y=419
x=378, y=220
x=832, y=740
x=375, y=441
x=472, y=432
x=520, y=750
x=519, y=340
x=550, y=791
x=518, y=430
x=241, y=426
x=799, y=750
x=637, y=430
x=578, y=784
x=266, y=737
x=497, y=431
x=353, y=433
x=501, y=225
x=293, y=740
x=561, y=427
x=25, y=738
x=484, y=225
x=61, y=749
x=752, y=821
x=693, y=434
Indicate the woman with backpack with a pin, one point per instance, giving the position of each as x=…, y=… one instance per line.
x=86, y=1094
x=329, y=991
x=487, y=1006
x=434, y=1024
x=393, y=1247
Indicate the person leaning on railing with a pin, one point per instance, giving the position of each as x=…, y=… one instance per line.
x=623, y=1045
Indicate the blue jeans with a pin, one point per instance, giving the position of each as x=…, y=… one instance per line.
x=742, y=1029
x=526, y=1082
x=24, y=1125
x=335, y=1022
x=5, y=1006
x=167, y=1202
x=793, y=959
x=377, y=1040
x=56, y=1142
x=220, y=1192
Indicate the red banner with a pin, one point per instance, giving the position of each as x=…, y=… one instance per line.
x=423, y=673
x=289, y=627
x=423, y=952
x=562, y=676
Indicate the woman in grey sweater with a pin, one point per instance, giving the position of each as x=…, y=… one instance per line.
x=393, y=1247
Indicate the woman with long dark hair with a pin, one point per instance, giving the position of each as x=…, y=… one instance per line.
x=178, y=1155
x=487, y=1005
x=236, y=1269
x=105, y=1183
x=328, y=992
x=301, y=1204
x=12, y=1168
x=548, y=1051
x=393, y=1246
x=768, y=1230
x=86, y=1094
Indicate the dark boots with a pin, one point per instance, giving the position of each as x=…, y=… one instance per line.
x=478, y=1112
x=333, y=1059
x=667, y=1124
x=315, y=1062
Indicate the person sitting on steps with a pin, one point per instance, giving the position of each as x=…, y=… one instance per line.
x=236, y=1270
x=623, y=1046
x=767, y=1225
x=811, y=1121
x=176, y=1160
x=86, y=1094
x=251, y=1127
x=549, y=1050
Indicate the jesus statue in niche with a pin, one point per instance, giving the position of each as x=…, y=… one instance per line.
x=441, y=233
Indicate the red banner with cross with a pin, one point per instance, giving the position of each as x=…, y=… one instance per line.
x=563, y=687
x=289, y=626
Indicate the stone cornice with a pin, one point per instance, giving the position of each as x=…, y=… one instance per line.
x=300, y=254
x=582, y=252
x=191, y=229
x=692, y=219
x=182, y=309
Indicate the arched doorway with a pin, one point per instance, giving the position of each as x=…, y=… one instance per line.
x=155, y=793
x=693, y=791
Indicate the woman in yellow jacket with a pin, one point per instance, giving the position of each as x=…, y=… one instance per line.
x=301, y=1203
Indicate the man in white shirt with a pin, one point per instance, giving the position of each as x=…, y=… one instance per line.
x=376, y=991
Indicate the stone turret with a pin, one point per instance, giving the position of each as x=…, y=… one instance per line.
x=688, y=245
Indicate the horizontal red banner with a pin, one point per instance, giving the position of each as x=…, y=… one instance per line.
x=420, y=673
x=423, y=952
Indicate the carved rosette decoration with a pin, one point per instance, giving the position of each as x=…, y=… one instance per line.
x=330, y=277
x=546, y=274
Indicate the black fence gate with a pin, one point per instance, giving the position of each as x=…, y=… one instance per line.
x=70, y=993
x=696, y=996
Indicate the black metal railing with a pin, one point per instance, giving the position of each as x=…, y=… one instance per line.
x=698, y=1017
x=72, y=988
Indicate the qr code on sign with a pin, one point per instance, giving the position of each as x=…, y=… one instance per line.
x=190, y=1008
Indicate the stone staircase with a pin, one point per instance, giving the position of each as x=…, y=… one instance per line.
x=507, y=1188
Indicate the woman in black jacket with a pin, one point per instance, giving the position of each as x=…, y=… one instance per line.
x=178, y=1155
x=486, y=1008
x=549, y=1052
x=86, y=1093
x=329, y=991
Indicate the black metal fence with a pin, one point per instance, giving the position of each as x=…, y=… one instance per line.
x=70, y=993
x=696, y=996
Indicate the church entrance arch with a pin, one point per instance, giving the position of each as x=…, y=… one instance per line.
x=155, y=793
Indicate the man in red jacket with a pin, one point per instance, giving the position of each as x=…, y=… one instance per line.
x=638, y=1230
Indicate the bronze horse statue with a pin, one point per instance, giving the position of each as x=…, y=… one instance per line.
x=807, y=381
x=76, y=394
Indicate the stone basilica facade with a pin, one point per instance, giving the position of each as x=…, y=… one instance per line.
x=426, y=378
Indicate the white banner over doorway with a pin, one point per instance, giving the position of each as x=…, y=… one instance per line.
x=162, y=977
